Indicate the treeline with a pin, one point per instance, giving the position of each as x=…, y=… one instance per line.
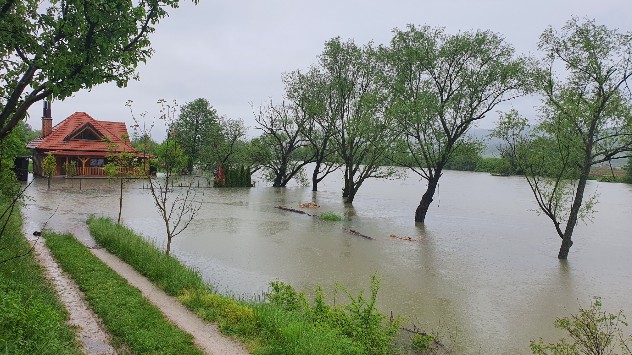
x=366, y=109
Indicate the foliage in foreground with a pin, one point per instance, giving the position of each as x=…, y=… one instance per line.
x=134, y=323
x=286, y=324
x=164, y=270
x=32, y=321
x=592, y=330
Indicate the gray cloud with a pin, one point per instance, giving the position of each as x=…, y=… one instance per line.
x=233, y=53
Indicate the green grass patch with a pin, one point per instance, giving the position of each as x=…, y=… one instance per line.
x=32, y=320
x=285, y=324
x=135, y=324
x=163, y=270
x=330, y=216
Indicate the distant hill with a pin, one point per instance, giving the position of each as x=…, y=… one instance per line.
x=491, y=144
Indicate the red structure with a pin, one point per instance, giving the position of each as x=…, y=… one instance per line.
x=81, y=142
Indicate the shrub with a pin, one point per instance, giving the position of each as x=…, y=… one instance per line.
x=359, y=320
x=592, y=330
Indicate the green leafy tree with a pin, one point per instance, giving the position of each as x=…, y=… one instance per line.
x=49, y=167
x=145, y=144
x=308, y=93
x=197, y=132
x=442, y=85
x=12, y=146
x=466, y=157
x=57, y=48
x=355, y=107
x=281, y=126
x=586, y=120
x=232, y=145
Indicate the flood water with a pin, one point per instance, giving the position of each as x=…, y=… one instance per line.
x=483, y=272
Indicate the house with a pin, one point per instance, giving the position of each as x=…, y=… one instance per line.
x=80, y=143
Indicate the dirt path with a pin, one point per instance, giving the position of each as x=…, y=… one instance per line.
x=205, y=335
x=90, y=332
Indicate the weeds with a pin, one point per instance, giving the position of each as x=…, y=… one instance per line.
x=286, y=324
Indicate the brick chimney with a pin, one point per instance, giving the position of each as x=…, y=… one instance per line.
x=47, y=120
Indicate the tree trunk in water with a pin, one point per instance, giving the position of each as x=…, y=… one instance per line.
x=426, y=199
x=350, y=196
x=567, y=242
x=280, y=176
x=315, y=177
x=49, y=182
x=120, y=203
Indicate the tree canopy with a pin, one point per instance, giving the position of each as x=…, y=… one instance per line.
x=586, y=119
x=197, y=132
x=441, y=86
x=59, y=47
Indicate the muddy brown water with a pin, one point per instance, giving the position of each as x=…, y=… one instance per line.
x=483, y=272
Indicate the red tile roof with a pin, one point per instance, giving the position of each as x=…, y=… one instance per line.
x=58, y=141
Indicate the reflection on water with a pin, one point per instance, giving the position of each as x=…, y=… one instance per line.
x=482, y=270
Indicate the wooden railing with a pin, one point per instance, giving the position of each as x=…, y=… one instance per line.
x=98, y=171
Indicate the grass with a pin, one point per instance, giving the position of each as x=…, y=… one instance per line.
x=330, y=216
x=135, y=325
x=32, y=320
x=286, y=324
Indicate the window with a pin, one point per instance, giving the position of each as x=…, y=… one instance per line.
x=87, y=135
x=96, y=162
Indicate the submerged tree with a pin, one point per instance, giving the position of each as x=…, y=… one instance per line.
x=586, y=120
x=308, y=93
x=354, y=110
x=442, y=85
x=281, y=126
x=57, y=48
x=231, y=145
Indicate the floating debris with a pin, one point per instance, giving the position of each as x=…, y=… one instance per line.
x=293, y=210
x=308, y=205
x=407, y=238
x=356, y=233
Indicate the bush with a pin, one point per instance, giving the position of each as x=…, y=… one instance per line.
x=359, y=320
x=592, y=330
x=422, y=343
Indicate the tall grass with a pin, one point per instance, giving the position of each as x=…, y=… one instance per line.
x=285, y=324
x=164, y=270
x=136, y=325
x=32, y=320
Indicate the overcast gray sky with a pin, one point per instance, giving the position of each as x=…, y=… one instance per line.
x=234, y=52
